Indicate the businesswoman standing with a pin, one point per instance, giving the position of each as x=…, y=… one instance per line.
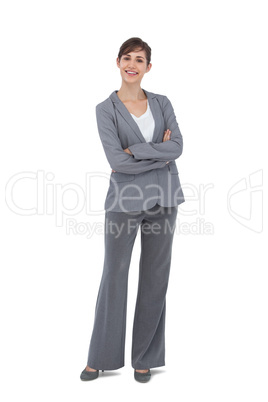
x=141, y=139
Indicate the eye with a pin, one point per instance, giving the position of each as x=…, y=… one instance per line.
x=127, y=58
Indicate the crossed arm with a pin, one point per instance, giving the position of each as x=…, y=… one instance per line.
x=166, y=150
x=138, y=158
x=166, y=137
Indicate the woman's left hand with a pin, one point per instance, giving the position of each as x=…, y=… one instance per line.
x=166, y=136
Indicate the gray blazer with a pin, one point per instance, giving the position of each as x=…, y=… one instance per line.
x=143, y=179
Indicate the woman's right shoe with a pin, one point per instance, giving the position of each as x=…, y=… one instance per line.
x=89, y=375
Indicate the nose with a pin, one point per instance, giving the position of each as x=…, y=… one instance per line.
x=131, y=64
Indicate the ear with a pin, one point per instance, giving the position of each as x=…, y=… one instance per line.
x=117, y=62
x=149, y=67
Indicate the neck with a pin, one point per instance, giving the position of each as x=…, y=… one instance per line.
x=131, y=92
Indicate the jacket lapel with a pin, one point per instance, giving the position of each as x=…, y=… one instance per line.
x=129, y=119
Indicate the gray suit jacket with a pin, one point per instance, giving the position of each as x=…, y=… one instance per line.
x=143, y=179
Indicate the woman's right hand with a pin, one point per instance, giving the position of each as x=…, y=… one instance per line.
x=166, y=136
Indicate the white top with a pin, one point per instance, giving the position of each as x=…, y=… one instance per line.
x=146, y=123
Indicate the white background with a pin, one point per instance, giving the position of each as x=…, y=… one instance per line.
x=58, y=61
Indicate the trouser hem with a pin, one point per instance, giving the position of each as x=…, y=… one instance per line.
x=148, y=366
x=104, y=367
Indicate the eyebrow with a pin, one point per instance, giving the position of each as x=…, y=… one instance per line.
x=136, y=56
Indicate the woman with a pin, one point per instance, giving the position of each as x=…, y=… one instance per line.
x=141, y=139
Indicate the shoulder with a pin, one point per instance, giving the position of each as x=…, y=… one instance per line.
x=163, y=101
x=105, y=105
x=161, y=98
x=105, y=110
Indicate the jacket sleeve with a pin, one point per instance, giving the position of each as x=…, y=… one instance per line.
x=119, y=160
x=163, y=151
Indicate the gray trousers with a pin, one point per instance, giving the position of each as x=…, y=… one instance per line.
x=107, y=345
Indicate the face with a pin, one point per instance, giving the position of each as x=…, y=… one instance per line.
x=133, y=66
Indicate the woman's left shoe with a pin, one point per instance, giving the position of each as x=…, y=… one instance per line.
x=89, y=375
x=142, y=377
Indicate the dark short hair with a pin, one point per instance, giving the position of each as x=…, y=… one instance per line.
x=135, y=44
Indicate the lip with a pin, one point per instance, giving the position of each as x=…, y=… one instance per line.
x=132, y=75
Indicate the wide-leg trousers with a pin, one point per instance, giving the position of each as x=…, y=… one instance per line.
x=107, y=344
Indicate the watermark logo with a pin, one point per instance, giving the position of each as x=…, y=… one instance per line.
x=245, y=201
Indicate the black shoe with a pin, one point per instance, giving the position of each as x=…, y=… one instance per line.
x=142, y=377
x=89, y=375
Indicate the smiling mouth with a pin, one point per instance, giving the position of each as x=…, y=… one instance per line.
x=132, y=73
